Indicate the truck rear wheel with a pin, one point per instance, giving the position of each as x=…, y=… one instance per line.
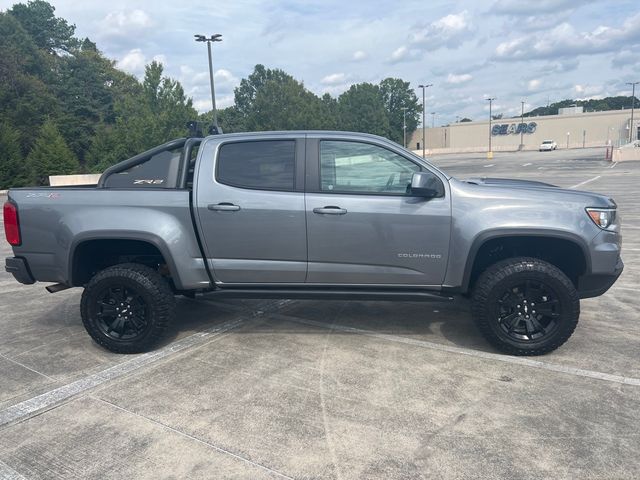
x=127, y=308
x=525, y=306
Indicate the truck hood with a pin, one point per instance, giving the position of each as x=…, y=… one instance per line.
x=541, y=188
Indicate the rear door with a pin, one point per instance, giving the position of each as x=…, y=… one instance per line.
x=362, y=225
x=250, y=205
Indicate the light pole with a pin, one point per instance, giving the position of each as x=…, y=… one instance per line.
x=522, y=126
x=424, y=111
x=433, y=119
x=404, y=127
x=633, y=101
x=490, y=100
x=568, y=135
x=216, y=37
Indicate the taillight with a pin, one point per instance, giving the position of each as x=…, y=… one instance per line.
x=11, y=224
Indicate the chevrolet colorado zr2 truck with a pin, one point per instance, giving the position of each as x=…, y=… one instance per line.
x=314, y=215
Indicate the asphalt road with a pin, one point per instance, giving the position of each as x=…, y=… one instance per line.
x=344, y=390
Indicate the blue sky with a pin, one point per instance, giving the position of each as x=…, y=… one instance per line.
x=538, y=51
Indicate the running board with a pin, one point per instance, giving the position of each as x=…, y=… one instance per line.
x=331, y=294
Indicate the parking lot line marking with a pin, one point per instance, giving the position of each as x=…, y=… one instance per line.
x=490, y=165
x=47, y=400
x=527, y=362
x=614, y=164
x=585, y=182
x=8, y=473
x=199, y=440
x=526, y=164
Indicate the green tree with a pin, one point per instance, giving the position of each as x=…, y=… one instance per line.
x=465, y=120
x=362, y=109
x=48, y=32
x=25, y=98
x=148, y=115
x=51, y=156
x=87, y=87
x=13, y=171
x=397, y=95
x=229, y=119
x=274, y=100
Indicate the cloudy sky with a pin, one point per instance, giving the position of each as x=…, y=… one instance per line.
x=533, y=50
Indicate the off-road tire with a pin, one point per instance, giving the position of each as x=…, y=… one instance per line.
x=153, y=297
x=488, y=299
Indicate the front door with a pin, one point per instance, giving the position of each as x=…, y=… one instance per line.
x=251, y=210
x=362, y=225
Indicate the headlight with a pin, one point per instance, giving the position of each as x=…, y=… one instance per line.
x=602, y=217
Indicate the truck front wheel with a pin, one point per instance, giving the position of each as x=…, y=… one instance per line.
x=127, y=308
x=525, y=306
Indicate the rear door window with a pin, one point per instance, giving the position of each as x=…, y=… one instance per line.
x=261, y=165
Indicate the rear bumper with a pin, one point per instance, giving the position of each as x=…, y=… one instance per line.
x=595, y=285
x=19, y=268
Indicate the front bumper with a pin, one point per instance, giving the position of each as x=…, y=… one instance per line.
x=594, y=285
x=19, y=268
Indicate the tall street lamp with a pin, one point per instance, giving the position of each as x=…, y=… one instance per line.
x=522, y=126
x=490, y=100
x=424, y=111
x=404, y=127
x=216, y=37
x=633, y=101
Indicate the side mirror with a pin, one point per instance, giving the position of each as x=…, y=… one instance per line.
x=426, y=184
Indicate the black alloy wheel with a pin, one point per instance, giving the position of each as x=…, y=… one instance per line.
x=127, y=308
x=121, y=312
x=525, y=306
x=528, y=311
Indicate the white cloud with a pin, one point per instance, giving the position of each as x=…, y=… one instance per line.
x=586, y=92
x=449, y=31
x=126, y=22
x=333, y=79
x=359, y=55
x=458, y=79
x=399, y=53
x=519, y=7
x=403, y=54
x=223, y=76
x=204, y=104
x=534, y=85
x=133, y=62
x=565, y=41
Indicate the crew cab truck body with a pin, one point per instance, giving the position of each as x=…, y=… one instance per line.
x=313, y=215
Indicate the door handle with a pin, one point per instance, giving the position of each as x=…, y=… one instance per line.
x=223, y=207
x=330, y=210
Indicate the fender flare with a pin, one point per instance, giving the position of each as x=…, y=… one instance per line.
x=484, y=237
x=144, y=237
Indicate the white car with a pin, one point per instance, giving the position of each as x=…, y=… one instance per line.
x=548, y=145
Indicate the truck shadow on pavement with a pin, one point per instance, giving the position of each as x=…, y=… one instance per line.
x=438, y=322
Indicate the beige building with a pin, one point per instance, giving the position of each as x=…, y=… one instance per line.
x=572, y=130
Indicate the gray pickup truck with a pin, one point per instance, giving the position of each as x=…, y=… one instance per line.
x=313, y=215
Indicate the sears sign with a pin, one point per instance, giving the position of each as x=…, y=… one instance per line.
x=513, y=128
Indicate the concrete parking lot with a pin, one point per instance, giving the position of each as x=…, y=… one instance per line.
x=335, y=390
